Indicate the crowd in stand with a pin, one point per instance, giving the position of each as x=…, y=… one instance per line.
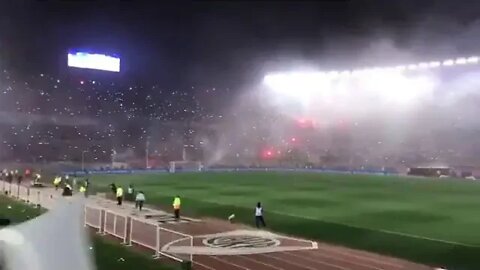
x=47, y=118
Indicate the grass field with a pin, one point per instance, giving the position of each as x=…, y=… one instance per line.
x=107, y=253
x=429, y=221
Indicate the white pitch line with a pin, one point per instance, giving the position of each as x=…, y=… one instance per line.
x=299, y=265
x=364, y=228
x=332, y=258
x=204, y=265
x=260, y=262
x=354, y=254
x=383, y=231
x=227, y=262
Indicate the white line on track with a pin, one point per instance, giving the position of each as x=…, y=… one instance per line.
x=270, y=256
x=363, y=257
x=204, y=265
x=227, y=262
x=260, y=262
x=309, y=259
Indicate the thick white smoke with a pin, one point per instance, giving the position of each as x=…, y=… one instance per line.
x=56, y=240
x=395, y=119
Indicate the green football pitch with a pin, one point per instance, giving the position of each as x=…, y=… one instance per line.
x=436, y=222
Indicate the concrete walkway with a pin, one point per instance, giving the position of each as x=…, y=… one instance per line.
x=48, y=197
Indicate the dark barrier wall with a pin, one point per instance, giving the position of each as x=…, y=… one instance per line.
x=430, y=172
x=127, y=171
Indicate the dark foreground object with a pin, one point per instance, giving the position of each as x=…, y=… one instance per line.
x=67, y=192
x=187, y=265
x=4, y=222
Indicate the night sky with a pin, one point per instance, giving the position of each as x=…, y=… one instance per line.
x=226, y=44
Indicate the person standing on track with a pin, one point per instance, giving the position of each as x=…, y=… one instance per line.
x=130, y=193
x=176, y=207
x=139, y=200
x=56, y=182
x=119, y=195
x=83, y=190
x=259, y=220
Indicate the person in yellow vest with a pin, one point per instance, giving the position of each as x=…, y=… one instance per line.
x=83, y=190
x=56, y=182
x=119, y=195
x=176, y=206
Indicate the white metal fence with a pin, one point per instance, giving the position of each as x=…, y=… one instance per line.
x=93, y=218
x=129, y=229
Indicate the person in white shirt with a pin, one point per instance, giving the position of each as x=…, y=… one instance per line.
x=130, y=193
x=139, y=200
x=259, y=220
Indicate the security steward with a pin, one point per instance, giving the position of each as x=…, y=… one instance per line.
x=176, y=207
x=83, y=190
x=56, y=182
x=119, y=195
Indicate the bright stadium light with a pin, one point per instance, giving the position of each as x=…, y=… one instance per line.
x=461, y=61
x=434, y=64
x=345, y=73
x=472, y=60
x=412, y=67
x=423, y=65
x=303, y=85
x=356, y=72
x=448, y=63
x=333, y=74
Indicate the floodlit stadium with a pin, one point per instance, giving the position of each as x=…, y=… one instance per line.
x=396, y=85
x=241, y=136
x=336, y=158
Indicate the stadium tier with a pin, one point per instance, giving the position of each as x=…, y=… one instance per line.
x=76, y=119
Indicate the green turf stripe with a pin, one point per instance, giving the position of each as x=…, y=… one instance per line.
x=370, y=229
x=434, y=253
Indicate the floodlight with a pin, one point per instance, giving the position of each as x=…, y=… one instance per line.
x=434, y=64
x=333, y=74
x=412, y=67
x=345, y=73
x=423, y=65
x=357, y=72
x=448, y=62
x=461, y=61
x=472, y=60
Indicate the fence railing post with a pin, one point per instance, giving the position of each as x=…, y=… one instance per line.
x=191, y=245
x=85, y=216
x=157, y=243
x=125, y=230
x=114, y=224
x=131, y=231
x=28, y=194
x=38, y=198
x=103, y=221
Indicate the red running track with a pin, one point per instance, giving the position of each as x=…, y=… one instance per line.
x=326, y=257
